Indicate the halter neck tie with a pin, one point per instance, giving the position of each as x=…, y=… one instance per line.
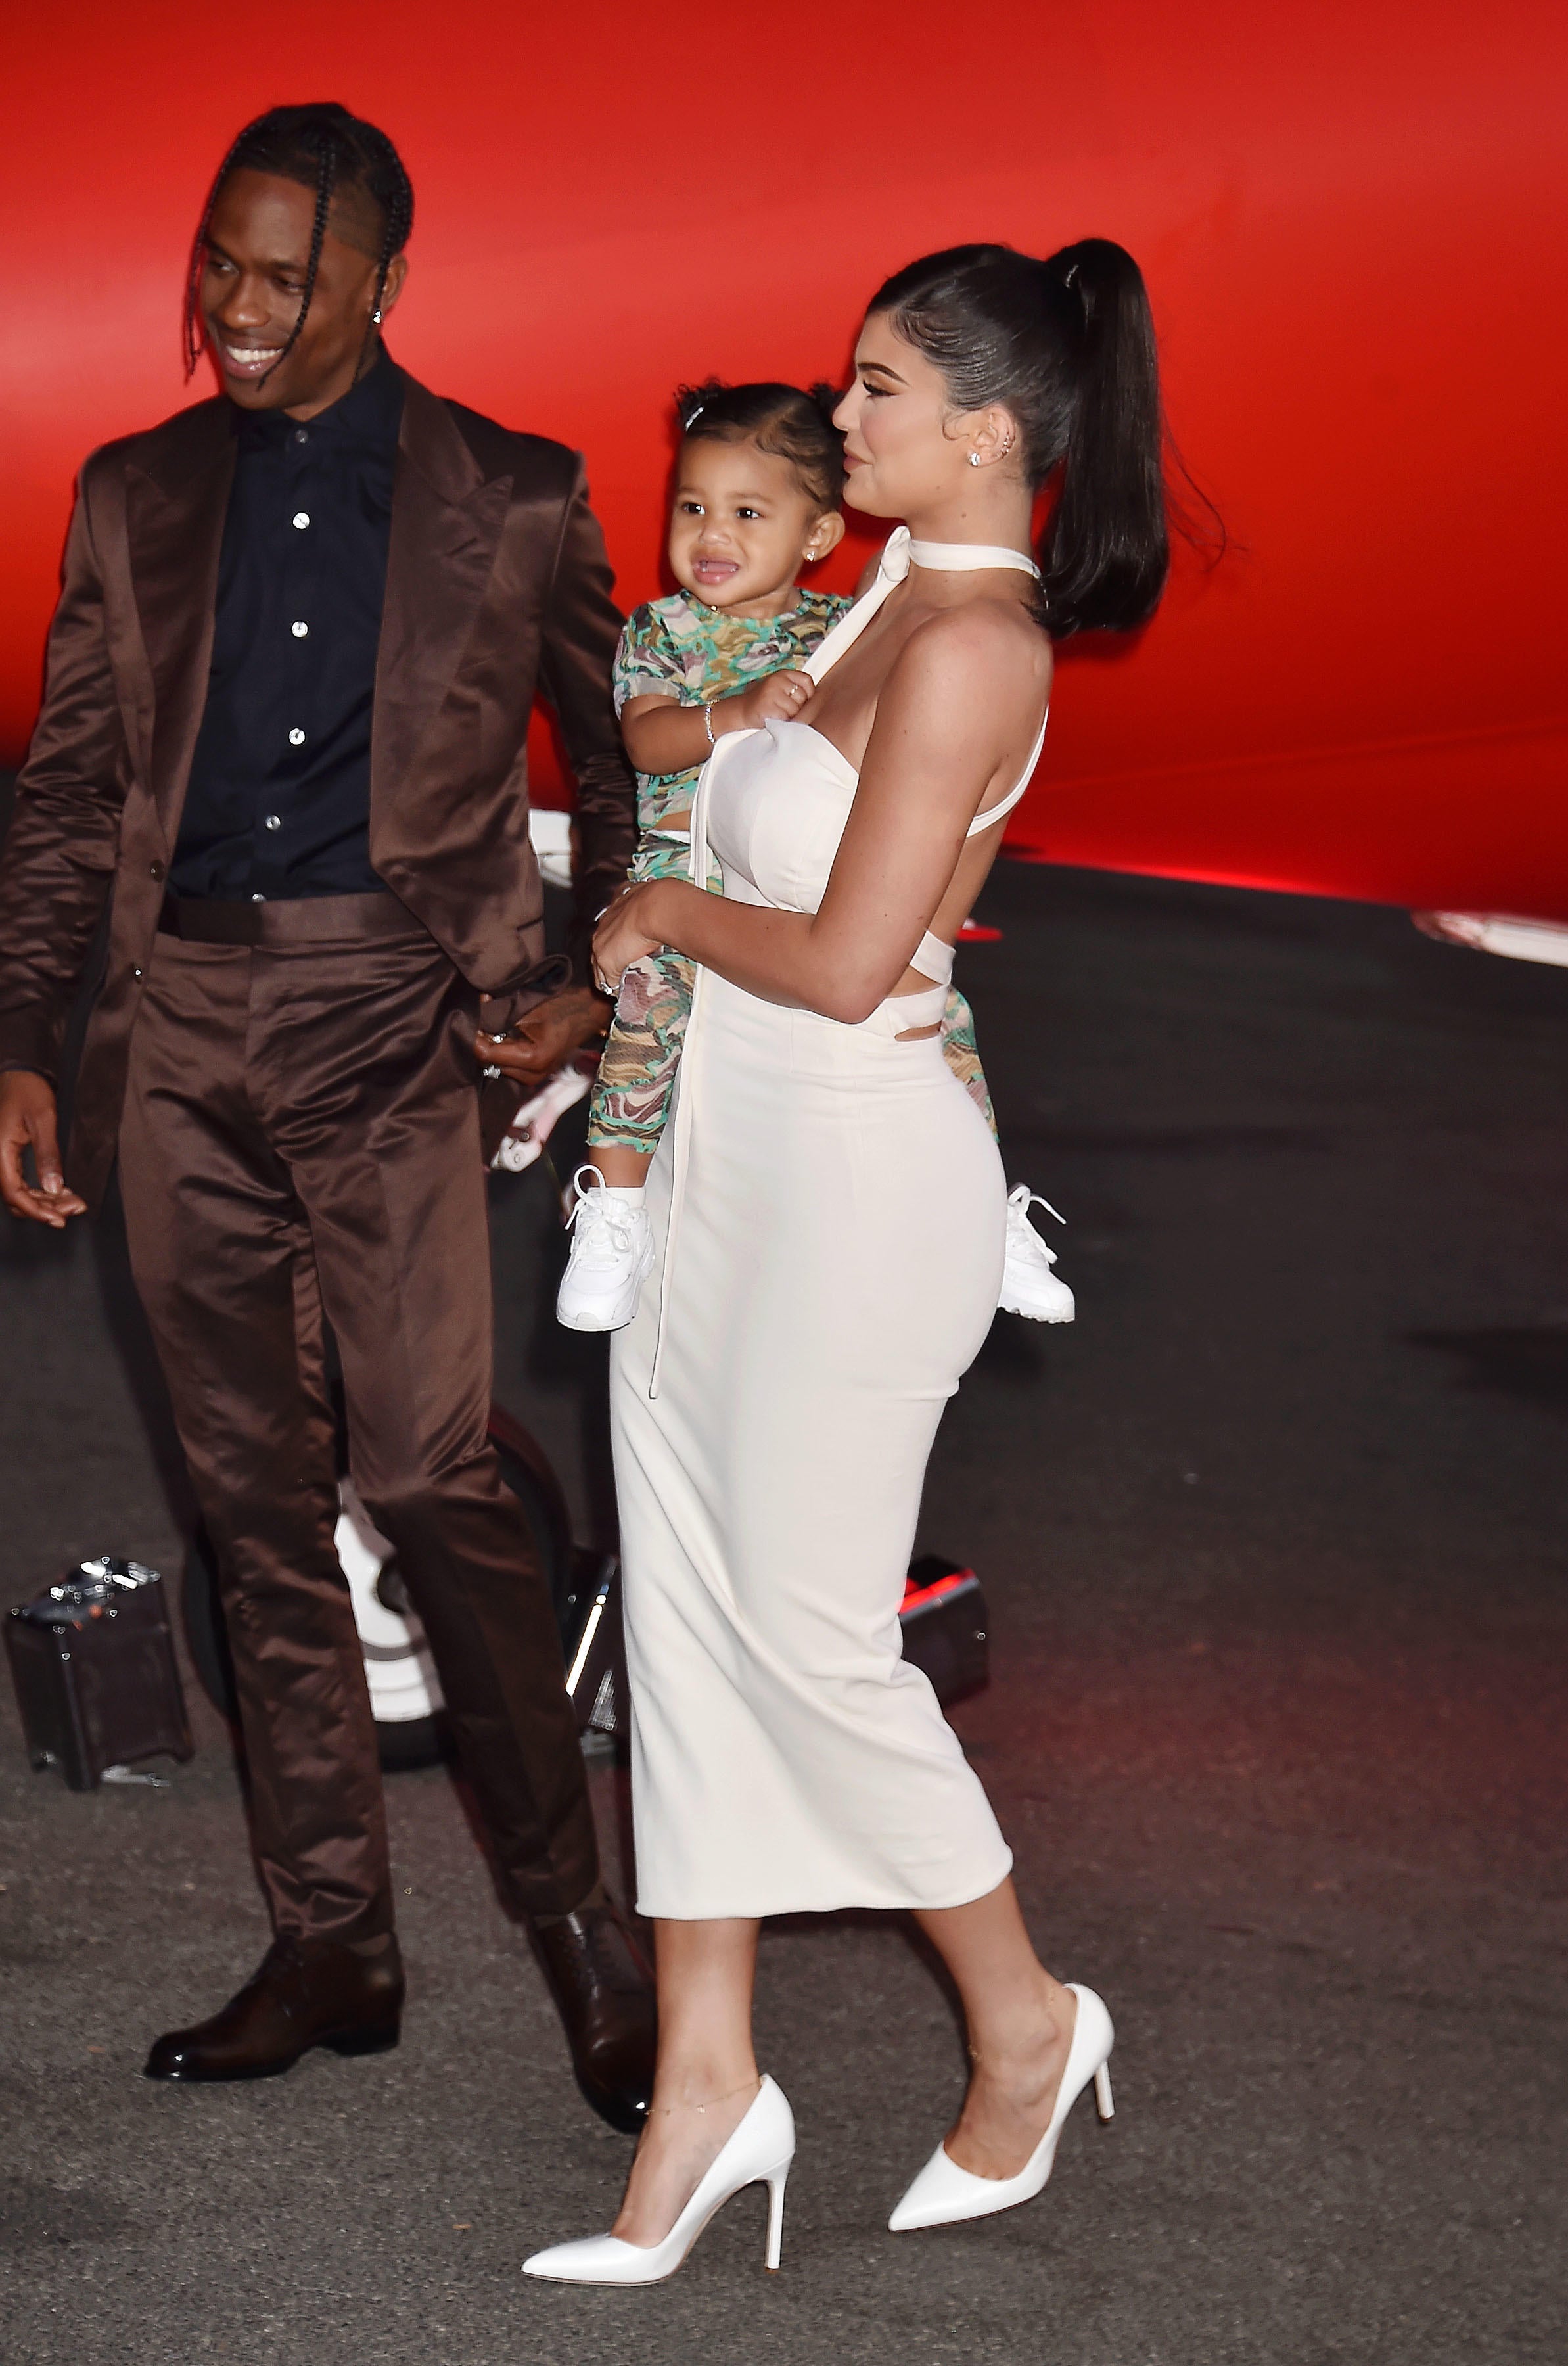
x=964, y=558
x=898, y=556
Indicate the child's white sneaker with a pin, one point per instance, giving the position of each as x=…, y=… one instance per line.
x=611, y=1255
x=1028, y=1286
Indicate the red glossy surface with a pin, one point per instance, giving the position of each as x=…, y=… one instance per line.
x=1349, y=216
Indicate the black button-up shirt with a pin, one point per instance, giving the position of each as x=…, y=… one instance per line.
x=279, y=802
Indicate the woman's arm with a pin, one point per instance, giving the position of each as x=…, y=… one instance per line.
x=954, y=715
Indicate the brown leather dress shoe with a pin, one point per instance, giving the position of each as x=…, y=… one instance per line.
x=308, y=1992
x=605, y=1992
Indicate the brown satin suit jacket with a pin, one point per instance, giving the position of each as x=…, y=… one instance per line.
x=497, y=583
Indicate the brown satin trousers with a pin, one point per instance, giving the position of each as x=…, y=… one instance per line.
x=300, y=1137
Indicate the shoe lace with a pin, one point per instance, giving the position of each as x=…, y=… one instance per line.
x=597, y=1222
x=1019, y=1201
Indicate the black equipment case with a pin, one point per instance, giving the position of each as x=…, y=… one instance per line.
x=92, y=1661
x=942, y=1621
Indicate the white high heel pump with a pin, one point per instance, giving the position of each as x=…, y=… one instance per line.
x=943, y=2193
x=760, y=2152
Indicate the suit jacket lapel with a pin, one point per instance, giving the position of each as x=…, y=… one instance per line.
x=174, y=508
x=447, y=524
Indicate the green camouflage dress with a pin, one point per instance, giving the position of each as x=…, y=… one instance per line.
x=680, y=647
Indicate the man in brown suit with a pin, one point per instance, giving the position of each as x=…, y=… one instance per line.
x=289, y=688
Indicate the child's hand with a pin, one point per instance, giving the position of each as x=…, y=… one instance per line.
x=777, y=697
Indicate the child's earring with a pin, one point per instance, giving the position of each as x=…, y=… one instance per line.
x=376, y=318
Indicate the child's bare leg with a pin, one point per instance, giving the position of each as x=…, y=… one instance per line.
x=623, y=1169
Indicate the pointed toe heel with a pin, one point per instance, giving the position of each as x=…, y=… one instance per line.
x=943, y=2194
x=760, y=2152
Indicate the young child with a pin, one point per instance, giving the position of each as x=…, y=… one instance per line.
x=758, y=487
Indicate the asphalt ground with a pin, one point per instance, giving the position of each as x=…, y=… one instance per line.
x=1273, y=1541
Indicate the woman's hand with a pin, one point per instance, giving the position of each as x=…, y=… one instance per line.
x=622, y=936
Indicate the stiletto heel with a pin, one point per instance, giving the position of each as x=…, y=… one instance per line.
x=943, y=2192
x=760, y=2152
x=775, y=2218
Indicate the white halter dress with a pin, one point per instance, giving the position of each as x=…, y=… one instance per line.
x=830, y=1212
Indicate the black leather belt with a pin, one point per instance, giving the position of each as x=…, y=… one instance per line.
x=283, y=920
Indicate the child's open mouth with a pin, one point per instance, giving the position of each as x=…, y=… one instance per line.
x=713, y=572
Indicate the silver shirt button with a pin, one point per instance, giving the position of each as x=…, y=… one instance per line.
x=300, y=631
x=296, y=738
x=274, y=821
x=301, y=518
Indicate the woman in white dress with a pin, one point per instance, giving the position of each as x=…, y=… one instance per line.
x=830, y=1210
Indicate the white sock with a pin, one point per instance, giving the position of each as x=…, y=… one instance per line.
x=632, y=1193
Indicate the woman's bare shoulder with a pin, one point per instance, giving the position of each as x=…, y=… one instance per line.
x=985, y=654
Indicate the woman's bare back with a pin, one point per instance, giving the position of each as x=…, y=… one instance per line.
x=844, y=709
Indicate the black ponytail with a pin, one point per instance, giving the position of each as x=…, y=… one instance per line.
x=1068, y=345
x=1106, y=550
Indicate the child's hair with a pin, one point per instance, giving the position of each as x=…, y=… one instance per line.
x=795, y=424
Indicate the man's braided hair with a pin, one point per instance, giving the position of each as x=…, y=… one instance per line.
x=326, y=148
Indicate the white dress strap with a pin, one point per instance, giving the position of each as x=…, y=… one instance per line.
x=1005, y=805
x=897, y=554
x=891, y=569
x=686, y=1078
x=933, y=959
x=971, y=557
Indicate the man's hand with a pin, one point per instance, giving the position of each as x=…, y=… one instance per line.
x=27, y=1121
x=546, y=1036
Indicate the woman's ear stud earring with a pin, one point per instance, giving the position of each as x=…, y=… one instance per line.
x=376, y=318
x=974, y=459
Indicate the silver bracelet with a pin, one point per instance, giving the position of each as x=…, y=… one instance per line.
x=707, y=722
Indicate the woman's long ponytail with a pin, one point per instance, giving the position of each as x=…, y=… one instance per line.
x=1106, y=551
x=1068, y=345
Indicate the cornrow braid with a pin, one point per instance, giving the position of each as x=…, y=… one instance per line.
x=193, y=334
x=324, y=148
